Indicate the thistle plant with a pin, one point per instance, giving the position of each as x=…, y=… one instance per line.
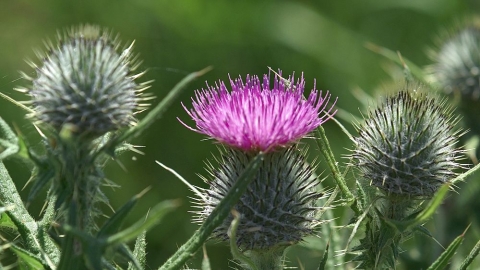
x=406, y=150
x=84, y=88
x=84, y=98
x=262, y=193
x=278, y=207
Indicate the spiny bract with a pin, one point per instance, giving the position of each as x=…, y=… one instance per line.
x=278, y=208
x=86, y=82
x=407, y=145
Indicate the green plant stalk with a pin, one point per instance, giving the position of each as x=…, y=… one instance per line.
x=266, y=259
x=76, y=187
x=390, y=236
x=216, y=217
x=325, y=149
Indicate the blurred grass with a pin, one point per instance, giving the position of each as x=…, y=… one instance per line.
x=323, y=39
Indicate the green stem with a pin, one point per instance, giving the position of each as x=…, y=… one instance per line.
x=76, y=186
x=216, y=217
x=266, y=259
x=325, y=149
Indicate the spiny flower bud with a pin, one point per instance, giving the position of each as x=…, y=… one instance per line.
x=85, y=82
x=278, y=208
x=456, y=65
x=407, y=145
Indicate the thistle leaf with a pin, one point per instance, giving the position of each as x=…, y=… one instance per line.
x=114, y=222
x=27, y=260
x=473, y=254
x=445, y=257
x=154, y=217
x=8, y=141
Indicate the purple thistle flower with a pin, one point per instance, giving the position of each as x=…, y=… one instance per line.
x=253, y=117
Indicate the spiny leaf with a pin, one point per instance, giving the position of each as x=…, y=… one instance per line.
x=445, y=257
x=114, y=222
x=139, y=253
x=27, y=260
x=9, y=141
x=323, y=262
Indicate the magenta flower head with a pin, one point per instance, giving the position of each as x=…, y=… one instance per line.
x=254, y=117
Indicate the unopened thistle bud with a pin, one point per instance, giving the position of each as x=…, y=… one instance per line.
x=87, y=83
x=456, y=70
x=456, y=66
x=406, y=146
x=278, y=208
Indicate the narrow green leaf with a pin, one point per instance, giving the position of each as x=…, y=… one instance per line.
x=114, y=223
x=154, y=217
x=218, y=214
x=41, y=178
x=473, y=254
x=442, y=261
x=27, y=260
x=323, y=262
x=5, y=221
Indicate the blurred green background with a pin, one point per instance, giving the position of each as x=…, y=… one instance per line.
x=324, y=39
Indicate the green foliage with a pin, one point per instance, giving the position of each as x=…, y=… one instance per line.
x=332, y=41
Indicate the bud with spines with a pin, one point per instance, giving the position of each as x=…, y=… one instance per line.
x=277, y=210
x=456, y=69
x=86, y=83
x=406, y=149
x=407, y=145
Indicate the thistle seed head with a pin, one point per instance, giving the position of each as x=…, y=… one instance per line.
x=279, y=206
x=87, y=82
x=407, y=145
